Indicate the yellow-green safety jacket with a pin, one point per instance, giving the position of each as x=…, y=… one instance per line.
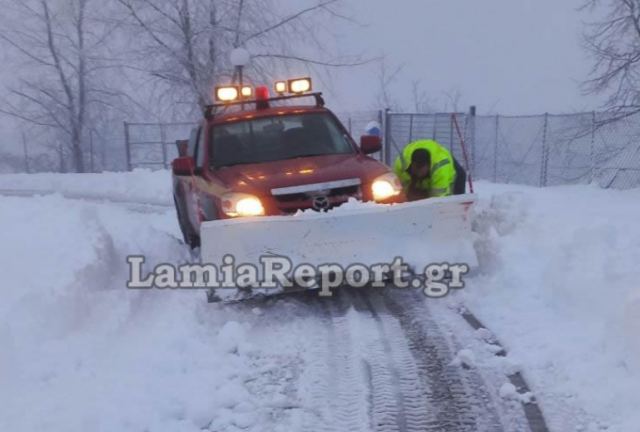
x=443, y=172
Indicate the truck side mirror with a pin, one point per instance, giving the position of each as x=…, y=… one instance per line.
x=182, y=166
x=370, y=144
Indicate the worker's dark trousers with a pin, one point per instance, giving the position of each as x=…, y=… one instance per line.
x=460, y=185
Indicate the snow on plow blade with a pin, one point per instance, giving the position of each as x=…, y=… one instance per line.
x=421, y=232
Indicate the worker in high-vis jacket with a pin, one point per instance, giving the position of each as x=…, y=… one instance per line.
x=428, y=170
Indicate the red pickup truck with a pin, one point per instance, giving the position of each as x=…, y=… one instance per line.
x=252, y=158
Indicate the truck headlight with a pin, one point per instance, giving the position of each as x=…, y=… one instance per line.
x=241, y=205
x=385, y=187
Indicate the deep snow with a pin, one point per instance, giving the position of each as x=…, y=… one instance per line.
x=81, y=352
x=558, y=287
x=139, y=185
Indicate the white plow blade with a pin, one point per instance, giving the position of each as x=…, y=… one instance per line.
x=421, y=232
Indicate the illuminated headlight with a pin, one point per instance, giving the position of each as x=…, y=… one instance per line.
x=385, y=187
x=241, y=205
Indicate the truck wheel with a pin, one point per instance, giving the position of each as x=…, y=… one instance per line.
x=190, y=238
x=194, y=241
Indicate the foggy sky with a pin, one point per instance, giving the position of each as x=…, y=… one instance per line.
x=506, y=56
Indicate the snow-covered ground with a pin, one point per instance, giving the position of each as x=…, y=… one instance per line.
x=139, y=185
x=81, y=352
x=559, y=288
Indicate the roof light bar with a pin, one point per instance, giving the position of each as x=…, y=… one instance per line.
x=227, y=93
x=246, y=91
x=299, y=85
x=262, y=97
x=281, y=87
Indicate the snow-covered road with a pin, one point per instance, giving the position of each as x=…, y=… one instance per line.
x=83, y=352
x=80, y=350
x=376, y=360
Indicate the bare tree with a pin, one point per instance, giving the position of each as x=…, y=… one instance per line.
x=422, y=103
x=185, y=44
x=614, y=44
x=61, y=83
x=452, y=100
x=386, y=79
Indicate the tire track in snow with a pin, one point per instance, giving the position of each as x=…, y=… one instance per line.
x=460, y=397
x=409, y=405
x=334, y=390
x=381, y=363
x=386, y=409
x=369, y=386
x=376, y=383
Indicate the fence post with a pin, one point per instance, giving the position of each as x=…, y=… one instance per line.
x=410, y=127
x=435, y=127
x=387, y=136
x=103, y=155
x=127, y=144
x=26, y=153
x=451, y=134
x=593, y=146
x=382, y=127
x=163, y=139
x=91, y=165
x=471, y=125
x=495, y=150
x=545, y=152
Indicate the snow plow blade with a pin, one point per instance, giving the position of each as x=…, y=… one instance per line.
x=421, y=232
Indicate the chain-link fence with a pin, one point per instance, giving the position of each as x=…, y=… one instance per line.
x=548, y=150
x=542, y=150
x=618, y=147
x=153, y=145
x=403, y=128
x=357, y=122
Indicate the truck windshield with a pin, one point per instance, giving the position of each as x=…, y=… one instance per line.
x=277, y=138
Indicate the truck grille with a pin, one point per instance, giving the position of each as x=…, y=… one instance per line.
x=290, y=200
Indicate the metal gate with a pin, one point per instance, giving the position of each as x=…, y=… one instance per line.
x=402, y=128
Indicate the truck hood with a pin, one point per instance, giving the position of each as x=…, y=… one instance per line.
x=259, y=179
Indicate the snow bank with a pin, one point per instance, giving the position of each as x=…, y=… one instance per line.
x=78, y=351
x=560, y=288
x=139, y=185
